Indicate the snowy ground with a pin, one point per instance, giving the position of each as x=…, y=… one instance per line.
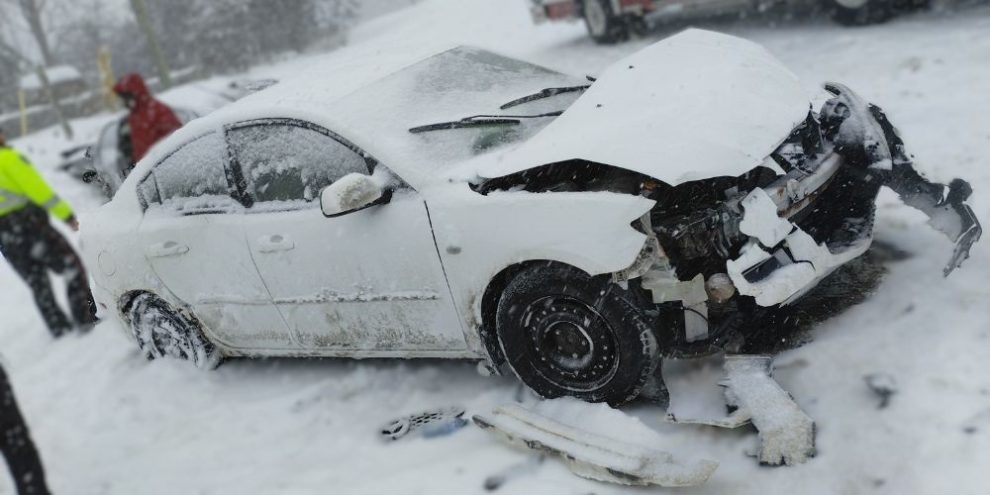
x=108, y=422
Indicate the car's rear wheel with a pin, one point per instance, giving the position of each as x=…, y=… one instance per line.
x=162, y=331
x=603, y=23
x=565, y=333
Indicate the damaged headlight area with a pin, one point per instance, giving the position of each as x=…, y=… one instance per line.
x=722, y=249
x=771, y=238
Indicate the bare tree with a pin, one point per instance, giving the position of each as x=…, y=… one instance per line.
x=12, y=53
x=141, y=13
x=31, y=10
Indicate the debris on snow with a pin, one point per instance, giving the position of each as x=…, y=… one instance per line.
x=787, y=434
x=973, y=424
x=882, y=384
x=429, y=424
x=499, y=479
x=589, y=453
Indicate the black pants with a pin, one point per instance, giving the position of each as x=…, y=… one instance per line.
x=18, y=449
x=33, y=247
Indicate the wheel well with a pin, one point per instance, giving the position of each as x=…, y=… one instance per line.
x=489, y=306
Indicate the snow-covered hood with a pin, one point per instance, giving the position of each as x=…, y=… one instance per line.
x=696, y=105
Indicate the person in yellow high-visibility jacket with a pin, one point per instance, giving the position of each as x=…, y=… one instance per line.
x=33, y=247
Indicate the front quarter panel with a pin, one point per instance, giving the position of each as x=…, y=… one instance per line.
x=479, y=236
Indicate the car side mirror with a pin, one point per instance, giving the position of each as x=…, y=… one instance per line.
x=350, y=193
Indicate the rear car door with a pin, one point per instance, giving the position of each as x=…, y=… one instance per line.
x=366, y=283
x=193, y=238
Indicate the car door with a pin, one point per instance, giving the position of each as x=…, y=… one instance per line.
x=193, y=237
x=366, y=283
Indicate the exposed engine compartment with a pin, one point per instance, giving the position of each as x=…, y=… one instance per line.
x=721, y=248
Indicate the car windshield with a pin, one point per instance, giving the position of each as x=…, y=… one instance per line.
x=437, y=93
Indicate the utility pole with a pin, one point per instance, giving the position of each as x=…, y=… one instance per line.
x=141, y=13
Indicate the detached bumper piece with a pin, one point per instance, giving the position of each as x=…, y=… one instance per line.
x=820, y=215
x=593, y=456
x=865, y=136
x=787, y=434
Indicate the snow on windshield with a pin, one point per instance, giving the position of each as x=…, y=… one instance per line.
x=455, y=84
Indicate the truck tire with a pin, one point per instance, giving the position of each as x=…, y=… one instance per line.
x=603, y=23
x=566, y=333
x=860, y=12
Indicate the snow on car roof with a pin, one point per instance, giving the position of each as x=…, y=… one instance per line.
x=373, y=102
x=693, y=106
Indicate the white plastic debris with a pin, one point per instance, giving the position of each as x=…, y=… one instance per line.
x=591, y=455
x=787, y=434
x=434, y=423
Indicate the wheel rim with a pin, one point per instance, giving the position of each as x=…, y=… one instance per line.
x=571, y=344
x=595, y=16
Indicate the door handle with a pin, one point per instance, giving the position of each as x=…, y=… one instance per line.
x=167, y=248
x=274, y=243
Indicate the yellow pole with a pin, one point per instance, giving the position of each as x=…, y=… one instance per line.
x=104, y=63
x=22, y=103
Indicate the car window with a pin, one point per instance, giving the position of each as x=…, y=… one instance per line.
x=192, y=178
x=285, y=162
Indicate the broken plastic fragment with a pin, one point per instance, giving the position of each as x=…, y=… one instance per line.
x=787, y=434
x=433, y=423
x=761, y=219
x=591, y=455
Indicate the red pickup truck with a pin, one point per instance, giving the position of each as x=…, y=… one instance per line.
x=609, y=21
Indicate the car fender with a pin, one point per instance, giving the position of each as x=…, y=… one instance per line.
x=114, y=258
x=478, y=236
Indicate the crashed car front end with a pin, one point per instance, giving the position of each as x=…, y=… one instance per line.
x=775, y=241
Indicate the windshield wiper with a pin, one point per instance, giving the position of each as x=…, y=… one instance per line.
x=480, y=121
x=546, y=93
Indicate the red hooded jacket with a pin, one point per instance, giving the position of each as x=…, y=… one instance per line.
x=150, y=120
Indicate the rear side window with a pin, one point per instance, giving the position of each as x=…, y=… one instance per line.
x=193, y=178
x=283, y=162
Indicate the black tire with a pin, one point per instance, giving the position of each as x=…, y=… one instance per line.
x=604, y=25
x=565, y=333
x=870, y=12
x=161, y=331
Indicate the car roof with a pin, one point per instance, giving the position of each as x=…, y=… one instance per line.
x=374, y=101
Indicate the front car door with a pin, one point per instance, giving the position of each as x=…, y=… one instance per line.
x=368, y=283
x=192, y=236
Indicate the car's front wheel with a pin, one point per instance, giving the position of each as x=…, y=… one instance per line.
x=162, y=331
x=566, y=333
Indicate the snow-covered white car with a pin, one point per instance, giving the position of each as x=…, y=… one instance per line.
x=609, y=21
x=468, y=205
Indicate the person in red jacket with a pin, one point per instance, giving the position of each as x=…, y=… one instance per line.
x=149, y=120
